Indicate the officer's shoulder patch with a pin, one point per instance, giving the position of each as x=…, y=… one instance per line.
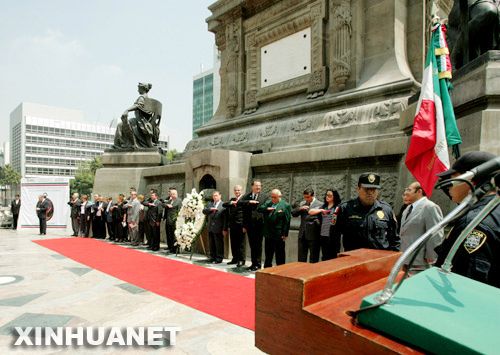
x=474, y=241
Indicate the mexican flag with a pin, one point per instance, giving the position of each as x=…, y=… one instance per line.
x=434, y=127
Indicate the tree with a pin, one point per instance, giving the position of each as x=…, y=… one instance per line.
x=171, y=154
x=84, y=176
x=8, y=177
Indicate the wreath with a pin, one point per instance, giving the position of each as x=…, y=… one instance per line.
x=190, y=220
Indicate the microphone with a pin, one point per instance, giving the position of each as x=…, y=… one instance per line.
x=478, y=173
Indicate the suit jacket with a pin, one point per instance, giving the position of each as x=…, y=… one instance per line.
x=109, y=215
x=277, y=222
x=309, y=225
x=216, y=219
x=14, y=207
x=42, y=206
x=154, y=212
x=424, y=215
x=170, y=213
x=251, y=216
x=234, y=213
x=75, y=207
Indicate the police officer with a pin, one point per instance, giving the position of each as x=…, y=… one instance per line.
x=479, y=256
x=365, y=222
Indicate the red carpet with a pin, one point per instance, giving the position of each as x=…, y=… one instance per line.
x=224, y=295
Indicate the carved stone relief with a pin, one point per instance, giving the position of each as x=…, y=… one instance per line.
x=282, y=183
x=385, y=110
x=319, y=183
x=341, y=31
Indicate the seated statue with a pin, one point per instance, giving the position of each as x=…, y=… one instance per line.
x=142, y=130
x=484, y=29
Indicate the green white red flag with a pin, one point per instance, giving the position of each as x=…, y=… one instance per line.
x=434, y=127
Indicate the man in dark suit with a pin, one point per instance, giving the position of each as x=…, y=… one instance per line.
x=172, y=207
x=309, y=227
x=253, y=222
x=41, y=211
x=74, y=204
x=277, y=215
x=216, y=220
x=234, y=222
x=15, y=206
x=153, y=218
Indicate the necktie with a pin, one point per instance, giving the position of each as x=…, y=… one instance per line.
x=409, y=211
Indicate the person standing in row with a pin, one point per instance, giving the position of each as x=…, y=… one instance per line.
x=108, y=217
x=119, y=218
x=234, y=222
x=325, y=213
x=420, y=215
x=74, y=205
x=365, y=221
x=142, y=216
x=253, y=222
x=153, y=219
x=41, y=211
x=15, y=206
x=308, y=242
x=133, y=211
x=277, y=215
x=84, y=217
x=216, y=220
x=172, y=207
x=98, y=221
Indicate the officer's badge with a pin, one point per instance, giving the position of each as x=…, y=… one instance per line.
x=371, y=178
x=380, y=214
x=474, y=241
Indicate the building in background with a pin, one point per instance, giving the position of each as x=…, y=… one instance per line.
x=206, y=94
x=54, y=141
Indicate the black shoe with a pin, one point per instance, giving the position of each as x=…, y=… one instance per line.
x=233, y=262
x=240, y=264
x=254, y=268
x=217, y=262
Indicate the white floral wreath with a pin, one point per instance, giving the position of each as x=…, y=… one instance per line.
x=190, y=220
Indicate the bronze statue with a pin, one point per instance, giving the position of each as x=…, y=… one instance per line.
x=473, y=29
x=142, y=130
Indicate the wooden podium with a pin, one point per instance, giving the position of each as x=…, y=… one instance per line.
x=301, y=307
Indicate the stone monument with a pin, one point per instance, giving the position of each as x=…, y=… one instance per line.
x=315, y=92
x=135, y=146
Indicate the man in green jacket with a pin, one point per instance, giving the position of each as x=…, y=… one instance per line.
x=277, y=215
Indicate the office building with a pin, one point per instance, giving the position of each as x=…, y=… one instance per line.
x=206, y=93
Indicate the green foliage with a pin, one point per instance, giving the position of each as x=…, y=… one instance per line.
x=171, y=155
x=84, y=176
x=9, y=176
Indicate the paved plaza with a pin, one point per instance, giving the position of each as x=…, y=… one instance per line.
x=43, y=288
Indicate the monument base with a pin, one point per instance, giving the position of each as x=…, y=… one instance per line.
x=141, y=158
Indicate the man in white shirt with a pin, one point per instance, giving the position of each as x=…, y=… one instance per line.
x=420, y=215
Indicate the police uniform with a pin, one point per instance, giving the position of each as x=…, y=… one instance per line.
x=359, y=226
x=478, y=257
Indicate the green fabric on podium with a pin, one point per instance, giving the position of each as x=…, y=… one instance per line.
x=440, y=313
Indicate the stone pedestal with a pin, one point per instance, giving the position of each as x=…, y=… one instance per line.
x=143, y=158
x=123, y=170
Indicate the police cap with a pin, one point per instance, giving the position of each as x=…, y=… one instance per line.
x=369, y=180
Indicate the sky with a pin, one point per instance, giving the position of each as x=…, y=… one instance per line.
x=89, y=55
